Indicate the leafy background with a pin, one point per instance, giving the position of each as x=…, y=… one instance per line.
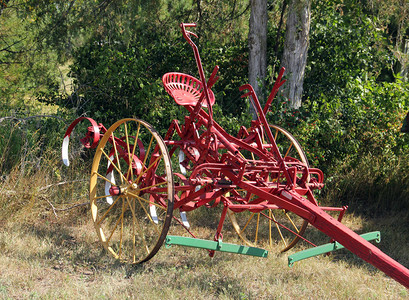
x=105, y=59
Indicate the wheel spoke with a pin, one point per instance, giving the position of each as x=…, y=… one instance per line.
x=132, y=207
x=133, y=150
x=116, y=225
x=152, y=186
x=147, y=152
x=139, y=227
x=98, y=222
x=149, y=216
x=292, y=222
x=242, y=155
x=116, y=155
x=258, y=223
x=278, y=229
x=106, y=179
x=128, y=150
x=248, y=222
x=133, y=233
x=101, y=197
x=134, y=214
x=116, y=168
x=142, y=236
x=122, y=229
x=148, y=168
x=288, y=150
x=126, y=227
x=147, y=201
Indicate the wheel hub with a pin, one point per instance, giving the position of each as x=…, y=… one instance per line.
x=116, y=190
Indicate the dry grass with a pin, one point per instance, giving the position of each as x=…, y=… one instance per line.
x=47, y=252
x=61, y=258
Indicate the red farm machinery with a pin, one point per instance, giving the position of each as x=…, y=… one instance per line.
x=144, y=186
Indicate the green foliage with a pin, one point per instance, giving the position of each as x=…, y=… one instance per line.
x=375, y=185
x=11, y=146
x=344, y=44
x=356, y=142
x=368, y=121
x=112, y=83
x=25, y=68
x=23, y=142
x=116, y=79
x=232, y=58
x=117, y=52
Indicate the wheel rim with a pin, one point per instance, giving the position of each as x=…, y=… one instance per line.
x=272, y=225
x=131, y=191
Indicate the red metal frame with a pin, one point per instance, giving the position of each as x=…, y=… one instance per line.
x=218, y=169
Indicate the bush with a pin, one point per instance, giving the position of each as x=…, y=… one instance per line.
x=33, y=180
x=356, y=141
x=368, y=121
x=345, y=44
x=11, y=145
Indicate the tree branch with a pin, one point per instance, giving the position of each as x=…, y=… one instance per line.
x=7, y=49
x=60, y=183
x=65, y=209
x=279, y=26
x=30, y=117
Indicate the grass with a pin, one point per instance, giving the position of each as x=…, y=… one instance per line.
x=61, y=258
x=49, y=250
x=374, y=185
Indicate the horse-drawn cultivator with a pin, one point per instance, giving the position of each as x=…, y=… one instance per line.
x=145, y=189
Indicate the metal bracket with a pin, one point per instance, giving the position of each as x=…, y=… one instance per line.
x=376, y=235
x=214, y=245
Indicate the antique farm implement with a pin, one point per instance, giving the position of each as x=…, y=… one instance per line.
x=145, y=189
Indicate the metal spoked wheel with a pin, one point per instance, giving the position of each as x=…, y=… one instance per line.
x=273, y=226
x=131, y=191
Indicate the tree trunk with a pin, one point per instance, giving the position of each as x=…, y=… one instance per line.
x=257, y=47
x=405, y=61
x=295, y=49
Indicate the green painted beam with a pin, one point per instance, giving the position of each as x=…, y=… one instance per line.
x=376, y=235
x=213, y=245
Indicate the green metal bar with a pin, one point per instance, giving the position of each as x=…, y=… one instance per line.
x=370, y=236
x=214, y=245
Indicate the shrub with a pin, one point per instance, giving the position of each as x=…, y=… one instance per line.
x=356, y=141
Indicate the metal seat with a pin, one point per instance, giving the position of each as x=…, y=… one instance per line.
x=185, y=89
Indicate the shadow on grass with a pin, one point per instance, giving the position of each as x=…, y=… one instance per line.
x=193, y=269
x=394, y=238
x=65, y=249
x=74, y=247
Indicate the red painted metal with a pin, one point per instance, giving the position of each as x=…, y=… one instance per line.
x=218, y=169
x=93, y=133
x=185, y=89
